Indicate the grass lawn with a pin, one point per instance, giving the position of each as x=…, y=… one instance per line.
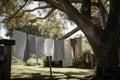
x=21, y=72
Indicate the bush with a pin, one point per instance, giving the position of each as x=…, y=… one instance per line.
x=86, y=60
x=31, y=62
x=16, y=61
x=53, y=63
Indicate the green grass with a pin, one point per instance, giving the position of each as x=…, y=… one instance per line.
x=22, y=72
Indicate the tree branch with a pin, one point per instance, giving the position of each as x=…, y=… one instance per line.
x=103, y=14
x=17, y=11
x=80, y=1
x=42, y=7
x=86, y=8
x=33, y=20
x=70, y=33
x=86, y=25
x=54, y=4
x=49, y=13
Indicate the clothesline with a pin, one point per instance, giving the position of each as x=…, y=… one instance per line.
x=58, y=49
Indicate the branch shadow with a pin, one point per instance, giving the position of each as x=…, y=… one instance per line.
x=38, y=76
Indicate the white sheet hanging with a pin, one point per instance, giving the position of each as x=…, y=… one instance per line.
x=32, y=43
x=67, y=54
x=39, y=47
x=58, y=50
x=49, y=47
x=78, y=48
x=20, y=44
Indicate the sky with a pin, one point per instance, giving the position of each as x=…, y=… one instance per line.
x=3, y=32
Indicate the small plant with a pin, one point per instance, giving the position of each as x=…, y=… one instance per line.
x=16, y=61
x=86, y=60
x=31, y=62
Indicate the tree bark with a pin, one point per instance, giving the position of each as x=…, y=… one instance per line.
x=107, y=54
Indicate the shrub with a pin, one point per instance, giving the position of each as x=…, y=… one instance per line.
x=86, y=60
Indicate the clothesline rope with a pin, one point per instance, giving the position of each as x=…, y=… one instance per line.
x=26, y=44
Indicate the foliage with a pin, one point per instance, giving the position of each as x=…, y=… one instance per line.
x=27, y=29
x=53, y=63
x=86, y=60
x=86, y=46
x=31, y=62
x=20, y=21
x=16, y=61
x=8, y=7
x=39, y=27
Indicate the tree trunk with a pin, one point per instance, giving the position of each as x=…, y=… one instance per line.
x=106, y=57
x=107, y=53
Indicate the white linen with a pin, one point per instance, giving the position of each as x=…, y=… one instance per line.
x=32, y=43
x=49, y=47
x=58, y=50
x=20, y=44
x=39, y=47
x=67, y=54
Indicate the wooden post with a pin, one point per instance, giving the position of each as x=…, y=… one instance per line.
x=119, y=49
x=6, y=66
x=5, y=63
x=49, y=59
x=1, y=60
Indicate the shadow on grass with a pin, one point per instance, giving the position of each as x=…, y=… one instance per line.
x=36, y=73
x=38, y=76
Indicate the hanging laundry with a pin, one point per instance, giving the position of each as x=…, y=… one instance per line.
x=26, y=54
x=32, y=43
x=58, y=50
x=67, y=54
x=78, y=49
x=49, y=47
x=20, y=44
x=73, y=43
x=76, y=45
x=39, y=47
